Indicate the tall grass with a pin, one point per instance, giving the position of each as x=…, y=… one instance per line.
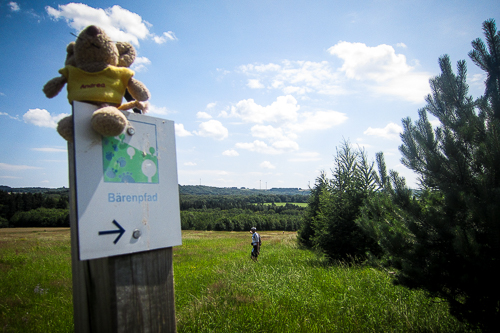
x=219, y=289
x=35, y=280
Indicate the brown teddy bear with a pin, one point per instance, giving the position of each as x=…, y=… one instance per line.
x=96, y=71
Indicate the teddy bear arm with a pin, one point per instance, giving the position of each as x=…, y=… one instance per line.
x=54, y=86
x=138, y=90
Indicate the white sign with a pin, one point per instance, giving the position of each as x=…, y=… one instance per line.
x=126, y=186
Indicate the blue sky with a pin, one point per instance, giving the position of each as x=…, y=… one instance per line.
x=261, y=92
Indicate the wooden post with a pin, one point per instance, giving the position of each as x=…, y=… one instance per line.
x=126, y=293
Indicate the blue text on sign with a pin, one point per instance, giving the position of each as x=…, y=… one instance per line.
x=117, y=197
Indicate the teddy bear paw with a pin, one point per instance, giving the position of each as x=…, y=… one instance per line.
x=65, y=128
x=109, y=121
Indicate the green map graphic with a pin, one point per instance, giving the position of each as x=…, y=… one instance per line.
x=123, y=163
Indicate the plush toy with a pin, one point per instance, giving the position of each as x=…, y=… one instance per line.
x=96, y=71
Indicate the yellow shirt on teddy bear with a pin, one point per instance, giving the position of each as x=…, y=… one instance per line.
x=106, y=86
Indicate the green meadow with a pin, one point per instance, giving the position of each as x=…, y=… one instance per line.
x=219, y=289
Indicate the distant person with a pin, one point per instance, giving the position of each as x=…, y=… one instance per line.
x=256, y=242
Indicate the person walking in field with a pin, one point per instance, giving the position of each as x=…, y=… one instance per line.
x=256, y=242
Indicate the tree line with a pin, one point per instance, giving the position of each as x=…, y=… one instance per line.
x=236, y=219
x=211, y=190
x=241, y=212
x=18, y=209
x=42, y=209
x=188, y=201
x=443, y=237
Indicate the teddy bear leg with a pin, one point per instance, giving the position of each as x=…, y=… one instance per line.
x=65, y=128
x=109, y=121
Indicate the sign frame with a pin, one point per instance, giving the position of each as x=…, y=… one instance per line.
x=127, y=197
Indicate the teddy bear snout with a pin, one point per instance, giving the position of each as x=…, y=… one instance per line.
x=92, y=31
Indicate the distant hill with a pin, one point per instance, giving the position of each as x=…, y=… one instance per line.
x=183, y=189
x=210, y=190
x=60, y=190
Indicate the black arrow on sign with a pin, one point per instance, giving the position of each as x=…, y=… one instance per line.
x=120, y=231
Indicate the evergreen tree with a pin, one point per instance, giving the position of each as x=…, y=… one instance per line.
x=446, y=238
x=335, y=205
x=306, y=232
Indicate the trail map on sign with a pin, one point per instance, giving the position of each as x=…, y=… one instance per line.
x=131, y=159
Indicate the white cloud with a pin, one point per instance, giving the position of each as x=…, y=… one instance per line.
x=267, y=165
x=294, y=77
x=223, y=71
x=119, y=23
x=14, y=6
x=319, y=120
x=259, y=68
x=412, y=87
x=189, y=164
x=255, y=84
x=211, y=105
x=213, y=129
x=158, y=110
x=267, y=132
x=8, y=115
x=276, y=148
x=362, y=62
x=365, y=145
x=435, y=122
x=180, y=131
x=296, y=90
x=391, y=131
x=165, y=37
x=42, y=118
x=203, y=115
x=284, y=109
x=258, y=147
x=287, y=145
x=140, y=64
x=306, y=157
x=230, y=152
x=280, y=137
x=385, y=71
x=51, y=150
x=381, y=64
x=11, y=167
x=478, y=80
x=280, y=141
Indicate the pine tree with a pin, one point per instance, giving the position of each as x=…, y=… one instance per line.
x=445, y=239
x=306, y=232
x=335, y=205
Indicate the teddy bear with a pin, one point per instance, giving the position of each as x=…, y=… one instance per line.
x=96, y=71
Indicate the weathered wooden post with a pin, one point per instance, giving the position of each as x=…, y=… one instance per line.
x=124, y=211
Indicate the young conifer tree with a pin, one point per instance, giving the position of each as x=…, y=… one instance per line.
x=329, y=224
x=446, y=239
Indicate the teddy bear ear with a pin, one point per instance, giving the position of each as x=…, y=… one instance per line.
x=70, y=54
x=127, y=54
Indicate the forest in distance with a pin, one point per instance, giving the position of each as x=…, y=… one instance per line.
x=202, y=207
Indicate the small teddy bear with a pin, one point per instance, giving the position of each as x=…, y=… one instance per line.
x=96, y=71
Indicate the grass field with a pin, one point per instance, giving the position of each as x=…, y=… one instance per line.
x=35, y=280
x=219, y=289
